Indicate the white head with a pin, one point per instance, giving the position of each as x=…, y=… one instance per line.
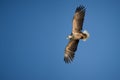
x=69, y=37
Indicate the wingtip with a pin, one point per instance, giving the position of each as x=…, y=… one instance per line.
x=80, y=8
x=68, y=58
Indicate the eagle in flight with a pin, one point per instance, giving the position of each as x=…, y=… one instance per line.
x=76, y=34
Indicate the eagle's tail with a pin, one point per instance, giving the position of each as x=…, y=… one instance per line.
x=88, y=35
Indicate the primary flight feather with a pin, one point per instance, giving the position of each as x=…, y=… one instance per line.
x=76, y=34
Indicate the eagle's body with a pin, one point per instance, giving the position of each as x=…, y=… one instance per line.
x=76, y=34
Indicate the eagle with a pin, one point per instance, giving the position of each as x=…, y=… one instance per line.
x=76, y=34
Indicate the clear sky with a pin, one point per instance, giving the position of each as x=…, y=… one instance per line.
x=33, y=38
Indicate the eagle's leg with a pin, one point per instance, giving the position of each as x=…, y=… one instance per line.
x=83, y=36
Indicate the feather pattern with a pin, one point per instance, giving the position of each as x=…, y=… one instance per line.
x=71, y=47
x=70, y=50
x=78, y=19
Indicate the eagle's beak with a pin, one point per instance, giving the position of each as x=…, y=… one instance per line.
x=67, y=37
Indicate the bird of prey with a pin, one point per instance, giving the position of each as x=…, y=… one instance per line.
x=76, y=34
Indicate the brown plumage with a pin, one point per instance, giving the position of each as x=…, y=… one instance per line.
x=76, y=34
x=70, y=50
x=78, y=19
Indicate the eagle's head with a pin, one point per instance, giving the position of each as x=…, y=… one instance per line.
x=70, y=37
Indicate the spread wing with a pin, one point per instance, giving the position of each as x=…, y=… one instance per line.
x=78, y=19
x=70, y=50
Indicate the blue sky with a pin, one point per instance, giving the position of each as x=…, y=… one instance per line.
x=33, y=38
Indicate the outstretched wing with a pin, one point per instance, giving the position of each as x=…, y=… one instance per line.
x=70, y=50
x=78, y=19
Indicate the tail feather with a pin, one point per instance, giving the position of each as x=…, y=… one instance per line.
x=88, y=35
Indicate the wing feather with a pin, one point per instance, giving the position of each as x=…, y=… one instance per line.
x=70, y=50
x=78, y=19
